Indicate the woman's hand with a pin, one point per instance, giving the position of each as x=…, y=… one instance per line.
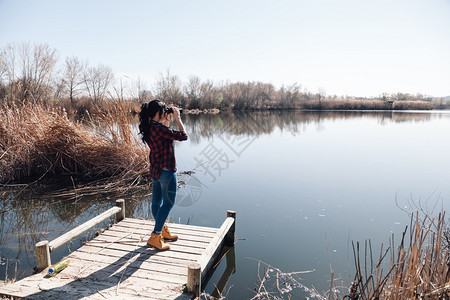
x=176, y=114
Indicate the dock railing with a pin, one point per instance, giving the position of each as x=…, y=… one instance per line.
x=43, y=248
x=197, y=271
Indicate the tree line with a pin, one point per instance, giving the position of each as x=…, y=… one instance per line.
x=35, y=72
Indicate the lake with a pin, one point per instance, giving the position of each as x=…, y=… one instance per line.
x=305, y=185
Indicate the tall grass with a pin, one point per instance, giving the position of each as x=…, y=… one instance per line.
x=375, y=104
x=420, y=270
x=36, y=141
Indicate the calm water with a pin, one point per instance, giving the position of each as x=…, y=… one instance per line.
x=304, y=185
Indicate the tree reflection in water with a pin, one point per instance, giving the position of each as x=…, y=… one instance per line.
x=202, y=126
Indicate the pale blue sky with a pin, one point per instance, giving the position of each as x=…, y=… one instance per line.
x=346, y=47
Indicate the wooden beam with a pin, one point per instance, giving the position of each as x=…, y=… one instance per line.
x=59, y=241
x=43, y=255
x=194, y=280
x=214, y=247
x=121, y=214
x=229, y=237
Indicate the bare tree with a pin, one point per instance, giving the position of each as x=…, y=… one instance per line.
x=321, y=94
x=38, y=65
x=139, y=91
x=193, y=91
x=2, y=74
x=9, y=58
x=208, y=94
x=169, y=89
x=73, y=77
x=97, y=81
x=2, y=66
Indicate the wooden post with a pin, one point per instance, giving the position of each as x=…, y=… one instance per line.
x=43, y=255
x=229, y=238
x=194, y=281
x=121, y=214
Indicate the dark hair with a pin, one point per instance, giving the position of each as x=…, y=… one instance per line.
x=148, y=111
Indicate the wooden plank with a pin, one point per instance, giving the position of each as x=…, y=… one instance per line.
x=103, y=272
x=183, y=233
x=131, y=288
x=149, y=229
x=173, y=246
x=209, y=255
x=171, y=225
x=165, y=267
x=82, y=228
x=153, y=252
x=18, y=291
x=182, y=262
x=182, y=236
x=142, y=239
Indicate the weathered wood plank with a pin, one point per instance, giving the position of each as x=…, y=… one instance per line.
x=82, y=228
x=151, y=223
x=183, y=233
x=209, y=255
x=147, y=264
x=182, y=262
x=103, y=271
x=174, y=247
x=141, y=238
x=153, y=252
x=66, y=288
x=179, y=230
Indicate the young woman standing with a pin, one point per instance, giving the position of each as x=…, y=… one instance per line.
x=154, y=122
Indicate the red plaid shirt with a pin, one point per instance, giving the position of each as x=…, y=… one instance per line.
x=162, y=153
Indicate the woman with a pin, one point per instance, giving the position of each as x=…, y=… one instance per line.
x=154, y=121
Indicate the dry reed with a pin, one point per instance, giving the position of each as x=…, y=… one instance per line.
x=36, y=141
x=349, y=104
x=420, y=270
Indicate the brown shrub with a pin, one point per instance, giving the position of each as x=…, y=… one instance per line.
x=37, y=141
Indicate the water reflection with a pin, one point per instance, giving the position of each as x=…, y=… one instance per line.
x=265, y=122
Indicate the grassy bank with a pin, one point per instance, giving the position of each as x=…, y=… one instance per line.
x=366, y=105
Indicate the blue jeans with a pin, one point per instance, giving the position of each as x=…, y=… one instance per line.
x=163, y=198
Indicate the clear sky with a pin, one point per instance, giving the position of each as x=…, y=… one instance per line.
x=345, y=47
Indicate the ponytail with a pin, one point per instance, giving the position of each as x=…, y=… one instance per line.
x=148, y=111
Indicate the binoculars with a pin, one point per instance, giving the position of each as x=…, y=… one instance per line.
x=169, y=110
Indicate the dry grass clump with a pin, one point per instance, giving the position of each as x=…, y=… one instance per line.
x=37, y=141
x=420, y=270
x=354, y=104
x=413, y=105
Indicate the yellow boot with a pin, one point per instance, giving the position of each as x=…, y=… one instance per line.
x=167, y=235
x=157, y=241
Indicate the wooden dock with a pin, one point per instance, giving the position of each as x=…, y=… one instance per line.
x=118, y=265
